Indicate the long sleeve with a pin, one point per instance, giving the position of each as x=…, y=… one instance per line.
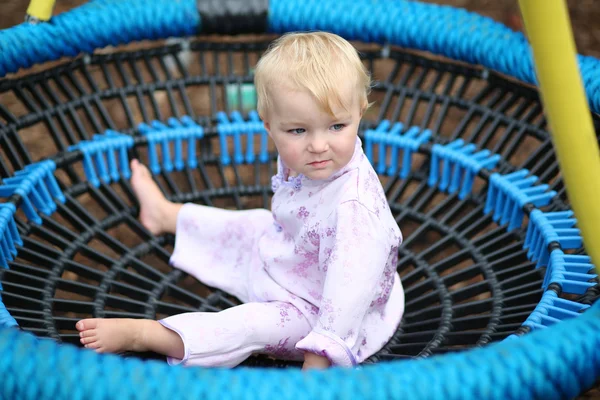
x=355, y=253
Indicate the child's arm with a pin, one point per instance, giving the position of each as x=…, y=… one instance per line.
x=354, y=254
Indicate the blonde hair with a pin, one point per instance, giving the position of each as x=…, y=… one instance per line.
x=319, y=62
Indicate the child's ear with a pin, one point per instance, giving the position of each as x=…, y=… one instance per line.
x=268, y=128
x=364, y=107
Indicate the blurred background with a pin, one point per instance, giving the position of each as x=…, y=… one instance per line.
x=585, y=16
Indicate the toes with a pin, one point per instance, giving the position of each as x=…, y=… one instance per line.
x=86, y=324
x=88, y=340
x=87, y=333
x=136, y=166
x=94, y=345
x=144, y=171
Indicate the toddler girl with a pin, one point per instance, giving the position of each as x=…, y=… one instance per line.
x=317, y=274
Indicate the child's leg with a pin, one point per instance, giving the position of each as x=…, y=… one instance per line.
x=222, y=339
x=121, y=334
x=157, y=214
x=227, y=338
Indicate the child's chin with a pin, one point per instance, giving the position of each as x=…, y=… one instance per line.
x=319, y=175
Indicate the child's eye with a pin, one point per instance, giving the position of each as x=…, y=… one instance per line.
x=337, y=127
x=297, y=131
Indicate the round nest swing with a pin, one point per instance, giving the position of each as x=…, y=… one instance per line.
x=492, y=261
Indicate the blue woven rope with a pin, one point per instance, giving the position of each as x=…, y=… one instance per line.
x=459, y=164
x=574, y=273
x=99, y=159
x=556, y=363
x=176, y=133
x=6, y=320
x=507, y=194
x=394, y=138
x=94, y=25
x=545, y=228
x=454, y=33
x=571, y=272
x=37, y=187
x=235, y=127
x=552, y=309
x=9, y=239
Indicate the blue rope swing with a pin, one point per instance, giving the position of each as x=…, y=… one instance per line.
x=555, y=362
x=454, y=33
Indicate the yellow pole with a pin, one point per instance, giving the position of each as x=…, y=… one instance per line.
x=41, y=9
x=549, y=31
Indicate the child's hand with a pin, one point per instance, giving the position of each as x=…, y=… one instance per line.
x=312, y=360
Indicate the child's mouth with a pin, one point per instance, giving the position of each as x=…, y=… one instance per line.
x=319, y=164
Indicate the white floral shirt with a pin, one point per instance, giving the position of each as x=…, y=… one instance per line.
x=329, y=248
x=335, y=250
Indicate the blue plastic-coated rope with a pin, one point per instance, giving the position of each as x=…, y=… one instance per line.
x=507, y=194
x=554, y=363
x=459, y=164
x=9, y=235
x=443, y=30
x=9, y=239
x=552, y=309
x=392, y=137
x=175, y=132
x=6, y=320
x=94, y=25
x=37, y=187
x=573, y=272
x=99, y=160
x=545, y=228
x=235, y=127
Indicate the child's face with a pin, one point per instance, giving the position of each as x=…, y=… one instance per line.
x=309, y=140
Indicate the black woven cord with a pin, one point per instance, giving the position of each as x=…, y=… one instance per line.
x=468, y=282
x=231, y=17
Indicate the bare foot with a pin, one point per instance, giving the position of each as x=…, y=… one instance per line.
x=123, y=334
x=153, y=203
x=112, y=335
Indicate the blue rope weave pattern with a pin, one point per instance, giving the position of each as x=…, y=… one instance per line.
x=94, y=25
x=458, y=163
x=507, y=194
x=443, y=30
x=554, y=363
x=395, y=139
x=529, y=352
x=545, y=228
x=6, y=320
x=9, y=239
x=235, y=127
x=9, y=235
x=552, y=309
x=574, y=273
x=175, y=132
x=100, y=151
x=37, y=187
x=571, y=272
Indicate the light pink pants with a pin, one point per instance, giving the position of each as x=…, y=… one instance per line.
x=227, y=338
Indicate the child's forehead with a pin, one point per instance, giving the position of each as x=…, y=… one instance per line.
x=344, y=90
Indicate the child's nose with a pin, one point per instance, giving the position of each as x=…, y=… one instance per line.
x=318, y=144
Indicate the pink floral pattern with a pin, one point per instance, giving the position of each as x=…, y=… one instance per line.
x=328, y=248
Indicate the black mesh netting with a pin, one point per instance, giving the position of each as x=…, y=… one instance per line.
x=467, y=279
